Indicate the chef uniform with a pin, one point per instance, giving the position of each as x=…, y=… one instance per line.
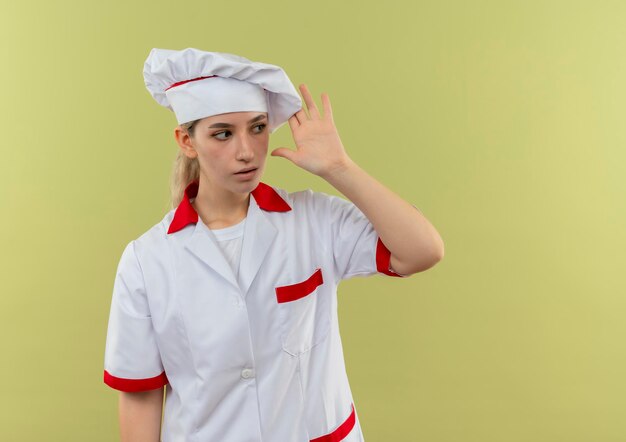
x=246, y=341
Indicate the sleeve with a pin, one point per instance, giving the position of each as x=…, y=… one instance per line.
x=357, y=249
x=131, y=361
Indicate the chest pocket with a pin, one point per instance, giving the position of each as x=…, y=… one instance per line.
x=304, y=312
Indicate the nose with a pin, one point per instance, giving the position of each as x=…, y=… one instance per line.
x=244, y=150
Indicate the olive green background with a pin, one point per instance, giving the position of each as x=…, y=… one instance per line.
x=502, y=121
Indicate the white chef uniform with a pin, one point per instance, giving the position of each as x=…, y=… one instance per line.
x=254, y=360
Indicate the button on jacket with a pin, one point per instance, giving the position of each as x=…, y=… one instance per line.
x=259, y=360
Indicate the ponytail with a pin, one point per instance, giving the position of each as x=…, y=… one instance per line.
x=184, y=170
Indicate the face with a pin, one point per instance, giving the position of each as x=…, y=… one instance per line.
x=226, y=144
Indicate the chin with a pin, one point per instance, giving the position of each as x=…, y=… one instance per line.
x=247, y=186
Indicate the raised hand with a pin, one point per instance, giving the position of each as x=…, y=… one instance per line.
x=318, y=147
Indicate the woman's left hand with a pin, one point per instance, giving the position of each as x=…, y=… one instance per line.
x=318, y=147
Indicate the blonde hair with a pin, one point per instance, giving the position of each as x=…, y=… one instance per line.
x=184, y=170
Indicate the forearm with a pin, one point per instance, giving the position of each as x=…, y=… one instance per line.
x=140, y=415
x=414, y=243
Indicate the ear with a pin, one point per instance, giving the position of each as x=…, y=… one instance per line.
x=184, y=141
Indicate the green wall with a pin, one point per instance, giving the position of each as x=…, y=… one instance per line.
x=502, y=121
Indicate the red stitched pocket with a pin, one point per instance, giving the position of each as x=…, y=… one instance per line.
x=299, y=290
x=340, y=432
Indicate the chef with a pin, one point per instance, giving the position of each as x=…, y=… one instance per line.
x=229, y=302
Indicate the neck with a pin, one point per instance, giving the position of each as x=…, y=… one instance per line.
x=219, y=208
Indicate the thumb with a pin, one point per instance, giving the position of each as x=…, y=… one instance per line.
x=283, y=152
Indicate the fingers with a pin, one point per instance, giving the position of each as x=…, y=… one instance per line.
x=328, y=110
x=293, y=122
x=301, y=116
x=308, y=99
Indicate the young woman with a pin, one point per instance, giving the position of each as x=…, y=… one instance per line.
x=229, y=303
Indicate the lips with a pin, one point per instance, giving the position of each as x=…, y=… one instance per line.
x=246, y=170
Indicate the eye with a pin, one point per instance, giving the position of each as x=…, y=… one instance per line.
x=215, y=135
x=262, y=126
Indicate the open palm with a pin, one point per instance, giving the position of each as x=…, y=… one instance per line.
x=318, y=147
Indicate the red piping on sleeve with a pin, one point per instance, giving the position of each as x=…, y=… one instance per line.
x=383, y=257
x=133, y=385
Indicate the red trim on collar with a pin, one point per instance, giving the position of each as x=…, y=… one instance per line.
x=265, y=196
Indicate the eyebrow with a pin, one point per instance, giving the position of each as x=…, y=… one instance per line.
x=257, y=118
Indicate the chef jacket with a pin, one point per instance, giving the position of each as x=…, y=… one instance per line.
x=254, y=360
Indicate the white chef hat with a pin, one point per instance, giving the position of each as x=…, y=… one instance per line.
x=196, y=84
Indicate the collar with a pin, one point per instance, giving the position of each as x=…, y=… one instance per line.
x=265, y=196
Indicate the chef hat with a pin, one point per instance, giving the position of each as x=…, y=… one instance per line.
x=196, y=84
